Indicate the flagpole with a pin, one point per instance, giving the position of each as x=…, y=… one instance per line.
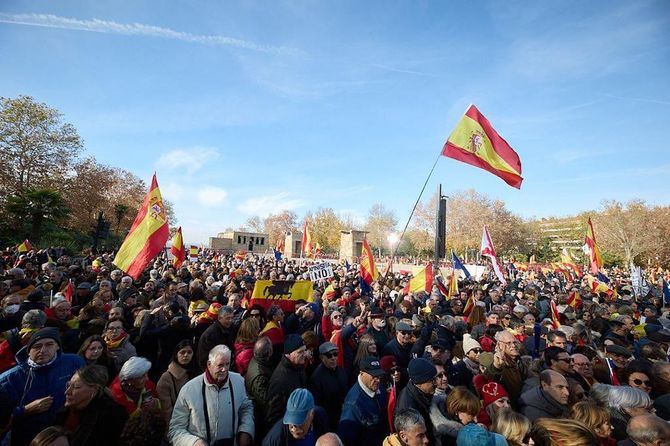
x=416, y=203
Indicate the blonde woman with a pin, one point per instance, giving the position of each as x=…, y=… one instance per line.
x=511, y=425
x=564, y=432
x=595, y=417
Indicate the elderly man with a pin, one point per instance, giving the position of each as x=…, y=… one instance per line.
x=220, y=332
x=287, y=376
x=364, y=415
x=583, y=366
x=548, y=400
x=410, y=429
x=328, y=383
x=34, y=390
x=302, y=423
x=401, y=346
x=507, y=367
x=648, y=430
x=213, y=408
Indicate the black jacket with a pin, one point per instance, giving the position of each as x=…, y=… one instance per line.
x=329, y=388
x=213, y=336
x=100, y=424
x=285, y=379
x=257, y=380
x=412, y=397
x=535, y=403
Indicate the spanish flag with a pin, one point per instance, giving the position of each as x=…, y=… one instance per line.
x=592, y=249
x=569, y=262
x=306, y=244
x=575, y=300
x=147, y=236
x=25, y=246
x=368, y=268
x=555, y=318
x=423, y=281
x=468, y=307
x=193, y=252
x=475, y=142
x=177, y=249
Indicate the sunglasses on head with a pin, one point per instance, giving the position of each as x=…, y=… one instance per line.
x=639, y=382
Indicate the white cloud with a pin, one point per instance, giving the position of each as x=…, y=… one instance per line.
x=172, y=191
x=191, y=159
x=269, y=204
x=139, y=29
x=211, y=196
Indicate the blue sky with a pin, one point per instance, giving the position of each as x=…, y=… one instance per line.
x=245, y=108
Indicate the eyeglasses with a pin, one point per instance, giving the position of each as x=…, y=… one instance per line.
x=405, y=333
x=582, y=364
x=337, y=316
x=639, y=382
x=510, y=343
x=255, y=315
x=331, y=355
x=508, y=317
x=563, y=360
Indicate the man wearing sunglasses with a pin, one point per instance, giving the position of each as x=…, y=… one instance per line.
x=463, y=372
x=401, y=346
x=329, y=383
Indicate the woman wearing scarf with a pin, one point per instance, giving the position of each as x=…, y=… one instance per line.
x=90, y=415
x=118, y=344
x=182, y=369
x=132, y=389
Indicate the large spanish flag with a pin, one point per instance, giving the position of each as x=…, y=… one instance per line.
x=306, y=243
x=474, y=141
x=422, y=281
x=177, y=249
x=147, y=236
x=368, y=268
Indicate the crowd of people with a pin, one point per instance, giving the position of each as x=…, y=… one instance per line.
x=185, y=357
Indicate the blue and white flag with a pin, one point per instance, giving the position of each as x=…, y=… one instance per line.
x=459, y=265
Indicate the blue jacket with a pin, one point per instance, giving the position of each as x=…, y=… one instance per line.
x=23, y=384
x=364, y=419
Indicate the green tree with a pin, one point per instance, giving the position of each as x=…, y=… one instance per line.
x=36, y=147
x=36, y=207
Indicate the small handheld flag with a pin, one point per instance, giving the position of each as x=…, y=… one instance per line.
x=25, y=246
x=459, y=265
x=177, y=249
x=488, y=250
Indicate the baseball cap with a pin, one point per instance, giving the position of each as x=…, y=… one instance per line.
x=371, y=366
x=327, y=347
x=298, y=406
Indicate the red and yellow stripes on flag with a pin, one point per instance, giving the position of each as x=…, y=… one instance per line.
x=468, y=307
x=368, y=268
x=555, y=319
x=422, y=281
x=575, y=300
x=597, y=286
x=595, y=259
x=569, y=262
x=147, y=236
x=177, y=249
x=307, y=245
x=26, y=246
x=475, y=142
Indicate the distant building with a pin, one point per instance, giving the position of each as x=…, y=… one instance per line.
x=234, y=241
x=565, y=232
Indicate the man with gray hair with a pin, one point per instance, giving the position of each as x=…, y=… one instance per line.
x=329, y=439
x=648, y=430
x=213, y=408
x=220, y=332
x=410, y=428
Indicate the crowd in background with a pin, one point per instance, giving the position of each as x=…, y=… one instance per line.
x=184, y=356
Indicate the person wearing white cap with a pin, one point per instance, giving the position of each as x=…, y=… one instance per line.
x=463, y=372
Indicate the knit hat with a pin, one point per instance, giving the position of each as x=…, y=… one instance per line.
x=421, y=370
x=134, y=367
x=388, y=362
x=492, y=392
x=298, y=406
x=469, y=343
x=292, y=343
x=44, y=333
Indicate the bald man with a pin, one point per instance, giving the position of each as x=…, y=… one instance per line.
x=547, y=400
x=329, y=439
x=648, y=430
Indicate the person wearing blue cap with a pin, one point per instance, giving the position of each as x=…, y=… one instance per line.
x=364, y=415
x=475, y=435
x=305, y=318
x=303, y=422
